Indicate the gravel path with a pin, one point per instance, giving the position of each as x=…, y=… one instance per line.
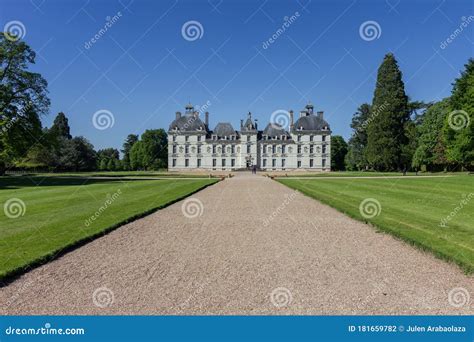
x=258, y=248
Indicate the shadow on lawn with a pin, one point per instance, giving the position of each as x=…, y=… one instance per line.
x=17, y=182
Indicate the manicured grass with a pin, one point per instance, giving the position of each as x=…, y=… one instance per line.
x=412, y=209
x=159, y=174
x=57, y=209
x=369, y=174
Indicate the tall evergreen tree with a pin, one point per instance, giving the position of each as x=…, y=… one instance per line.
x=355, y=158
x=387, y=128
x=60, y=127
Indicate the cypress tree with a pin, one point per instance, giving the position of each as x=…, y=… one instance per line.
x=386, y=130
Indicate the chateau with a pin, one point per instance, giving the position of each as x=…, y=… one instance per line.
x=193, y=146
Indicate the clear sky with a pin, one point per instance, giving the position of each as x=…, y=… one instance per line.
x=143, y=68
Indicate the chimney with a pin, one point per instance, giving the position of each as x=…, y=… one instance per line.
x=256, y=122
x=320, y=114
x=178, y=115
x=241, y=124
x=291, y=120
x=206, y=119
x=302, y=113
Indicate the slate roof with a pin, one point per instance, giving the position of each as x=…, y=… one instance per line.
x=311, y=123
x=224, y=129
x=188, y=123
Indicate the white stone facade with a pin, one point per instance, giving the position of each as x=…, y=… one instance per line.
x=193, y=146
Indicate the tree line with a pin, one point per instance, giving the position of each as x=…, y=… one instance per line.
x=394, y=133
x=26, y=145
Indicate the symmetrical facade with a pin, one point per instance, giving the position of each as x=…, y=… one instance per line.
x=305, y=146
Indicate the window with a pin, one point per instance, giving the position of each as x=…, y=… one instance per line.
x=311, y=149
x=273, y=148
x=186, y=149
x=310, y=138
x=223, y=148
x=223, y=162
x=174, y=162
x=311, y=163
x=232, y=149
x=214, y=149
x=299, y=137
x=324, y=148
x=174, y=148
x=324, y=162
x=283, y=162
x=299, y=148
x=274, y=162
x=199, y=148
x=299, y=163
x=199, y=138
x=186, y=162
x=283, y=149
x=248, y=148
x=186, y=138
x=324, y=138
x=264, y=163
x=199, y=163
x=174, y=137
x=214, y=162
x=232, y=162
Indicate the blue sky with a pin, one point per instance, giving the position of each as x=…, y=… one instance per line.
x=143, y=70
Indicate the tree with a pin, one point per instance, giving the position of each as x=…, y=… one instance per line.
x=23, y=97
x=77, y=154
x=387, y=130
x=106, y=159
x=60, y=127
x=338, y=153
x=137, y=156
x=127, y=146
x=355, y=157
x=459, y=124
x=151, y=152
x=430, y=152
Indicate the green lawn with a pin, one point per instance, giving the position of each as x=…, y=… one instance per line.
x=57, y=209
x=116, y=174
x=370, y=174
x=412, y=209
